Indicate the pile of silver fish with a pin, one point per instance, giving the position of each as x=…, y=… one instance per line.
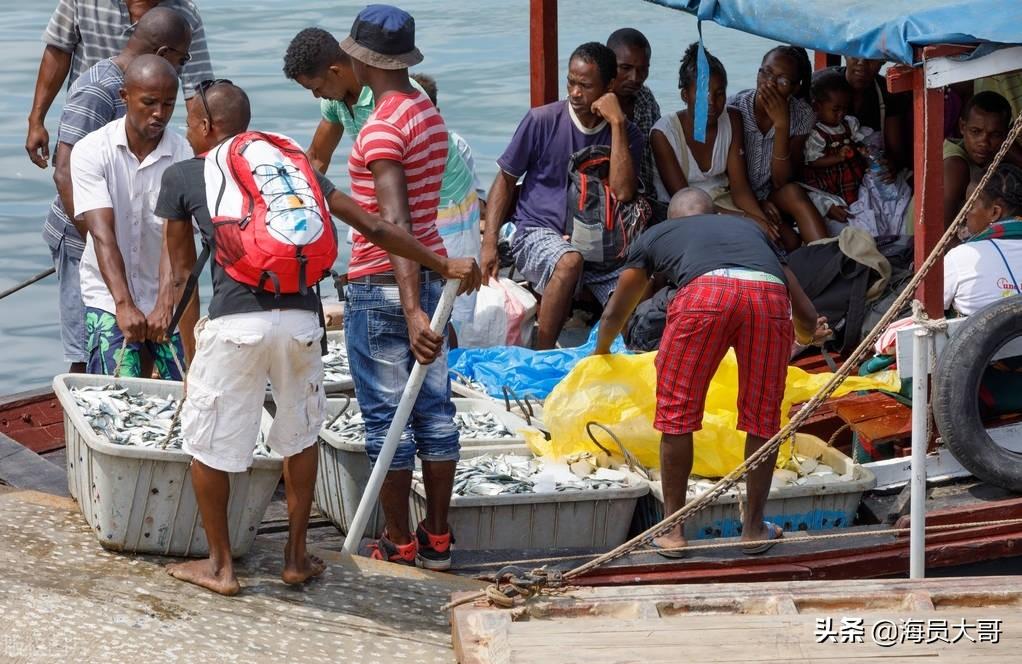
x=335, y=363
x=475, y=426
x=350, y=427
x=468, y=382
x=503, y=474
x=139, y=420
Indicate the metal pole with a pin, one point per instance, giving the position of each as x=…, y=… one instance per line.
x=397, y=425
x=28, y=282
x=920, y=439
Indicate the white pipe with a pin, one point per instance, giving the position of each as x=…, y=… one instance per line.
x=920, y=439
x=397, y=425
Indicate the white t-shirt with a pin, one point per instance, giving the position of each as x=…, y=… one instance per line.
x=975, y=275
x=106, y=174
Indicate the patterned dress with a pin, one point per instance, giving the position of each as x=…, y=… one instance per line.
x=842, y=179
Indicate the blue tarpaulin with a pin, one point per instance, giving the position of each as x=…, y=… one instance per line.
x=880, y=29
x=532, y=373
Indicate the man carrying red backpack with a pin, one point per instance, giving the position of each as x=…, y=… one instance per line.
x=265, y=213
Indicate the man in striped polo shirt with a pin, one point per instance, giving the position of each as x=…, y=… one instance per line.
x=83, y=32
x=93, y=101
x=396, y=168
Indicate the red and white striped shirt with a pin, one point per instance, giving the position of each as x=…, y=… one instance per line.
x=408, y=129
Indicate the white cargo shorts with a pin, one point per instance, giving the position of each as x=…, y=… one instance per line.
x=234, y=356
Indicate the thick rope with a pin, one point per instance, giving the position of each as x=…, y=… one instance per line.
x=174, y=421
x=120, y=359
x=763, y=453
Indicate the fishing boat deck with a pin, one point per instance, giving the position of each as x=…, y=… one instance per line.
x=63, y=598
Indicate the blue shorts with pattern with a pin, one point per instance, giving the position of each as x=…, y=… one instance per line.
x=104, y=343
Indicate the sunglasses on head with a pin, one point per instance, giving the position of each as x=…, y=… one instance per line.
x=202, y=86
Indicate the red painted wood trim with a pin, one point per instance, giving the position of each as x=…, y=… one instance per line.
x=822, y=60
x=543, y=51
x=928, y=165
x=900, y=78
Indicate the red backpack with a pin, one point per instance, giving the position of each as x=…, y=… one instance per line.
x=271, y=225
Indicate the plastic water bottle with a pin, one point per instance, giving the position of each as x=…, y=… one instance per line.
x=888, y=190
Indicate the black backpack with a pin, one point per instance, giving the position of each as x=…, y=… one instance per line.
x=601, y=228
x=837, y=286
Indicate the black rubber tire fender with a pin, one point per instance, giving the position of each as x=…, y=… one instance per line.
x=956, y=382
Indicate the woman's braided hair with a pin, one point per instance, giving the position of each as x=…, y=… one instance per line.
x=1005, y=185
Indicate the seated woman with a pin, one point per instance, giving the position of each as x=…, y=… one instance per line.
x=715, y=166
x=776, y=120
x=880, y=110
x=988, y=265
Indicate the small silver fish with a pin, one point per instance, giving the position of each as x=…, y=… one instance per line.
x=335, y=363
x=503, y=474
x=139, y=420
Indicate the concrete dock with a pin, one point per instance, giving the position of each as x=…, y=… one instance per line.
x=64, y=598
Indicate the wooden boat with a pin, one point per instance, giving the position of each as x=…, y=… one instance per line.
x=32, y=457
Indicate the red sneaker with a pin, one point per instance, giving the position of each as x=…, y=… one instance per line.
x=434, y=550
x=384, y=549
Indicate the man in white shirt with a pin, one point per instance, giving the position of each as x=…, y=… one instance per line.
x=116, y=173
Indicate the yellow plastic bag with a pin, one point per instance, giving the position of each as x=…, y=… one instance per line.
x=619, y=392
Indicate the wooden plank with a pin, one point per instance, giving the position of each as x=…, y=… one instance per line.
x=543, y=51
x=22, y=468
x=940, y=465
x=720, y=623
x=943, y=71
x=928, y=165
x=903, y=352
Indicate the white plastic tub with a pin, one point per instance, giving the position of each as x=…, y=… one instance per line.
x=344, y=467
x=597, y=518
x=793, y=507
x=140, y=500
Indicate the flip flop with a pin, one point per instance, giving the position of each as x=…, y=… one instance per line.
x=774, y=534
x=667, y=553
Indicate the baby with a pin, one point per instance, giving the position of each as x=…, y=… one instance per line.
x=835, y=153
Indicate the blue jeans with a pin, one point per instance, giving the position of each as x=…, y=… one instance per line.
x=381, y=360
x=72, y=309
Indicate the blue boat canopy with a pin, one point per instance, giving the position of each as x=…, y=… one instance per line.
x=880, y=29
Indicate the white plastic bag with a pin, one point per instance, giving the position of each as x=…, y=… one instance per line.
x=504, y=315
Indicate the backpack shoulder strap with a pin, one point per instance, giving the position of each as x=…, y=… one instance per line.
x=186, y=296
x=1014, y=282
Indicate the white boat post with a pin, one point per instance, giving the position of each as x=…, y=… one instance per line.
x=404, y=410
x=920, y=439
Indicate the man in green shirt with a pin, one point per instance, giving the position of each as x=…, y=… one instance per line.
x=315, y=61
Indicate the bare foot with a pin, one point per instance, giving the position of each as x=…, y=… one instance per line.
x=202, y=573
x=672, y=540
x=300, y=571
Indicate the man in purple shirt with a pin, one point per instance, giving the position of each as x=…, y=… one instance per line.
x=538, y=156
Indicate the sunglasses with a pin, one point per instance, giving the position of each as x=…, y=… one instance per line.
x=186, y=55
x=202, y=86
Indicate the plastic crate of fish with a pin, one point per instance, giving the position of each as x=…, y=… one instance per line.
x=344, y=467
x=140, y=499
x=826, y=495
x=535, y=513
x=336, y=373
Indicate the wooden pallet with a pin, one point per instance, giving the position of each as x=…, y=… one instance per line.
x=744, y=622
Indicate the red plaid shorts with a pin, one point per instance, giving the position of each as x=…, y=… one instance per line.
x=706, y=317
